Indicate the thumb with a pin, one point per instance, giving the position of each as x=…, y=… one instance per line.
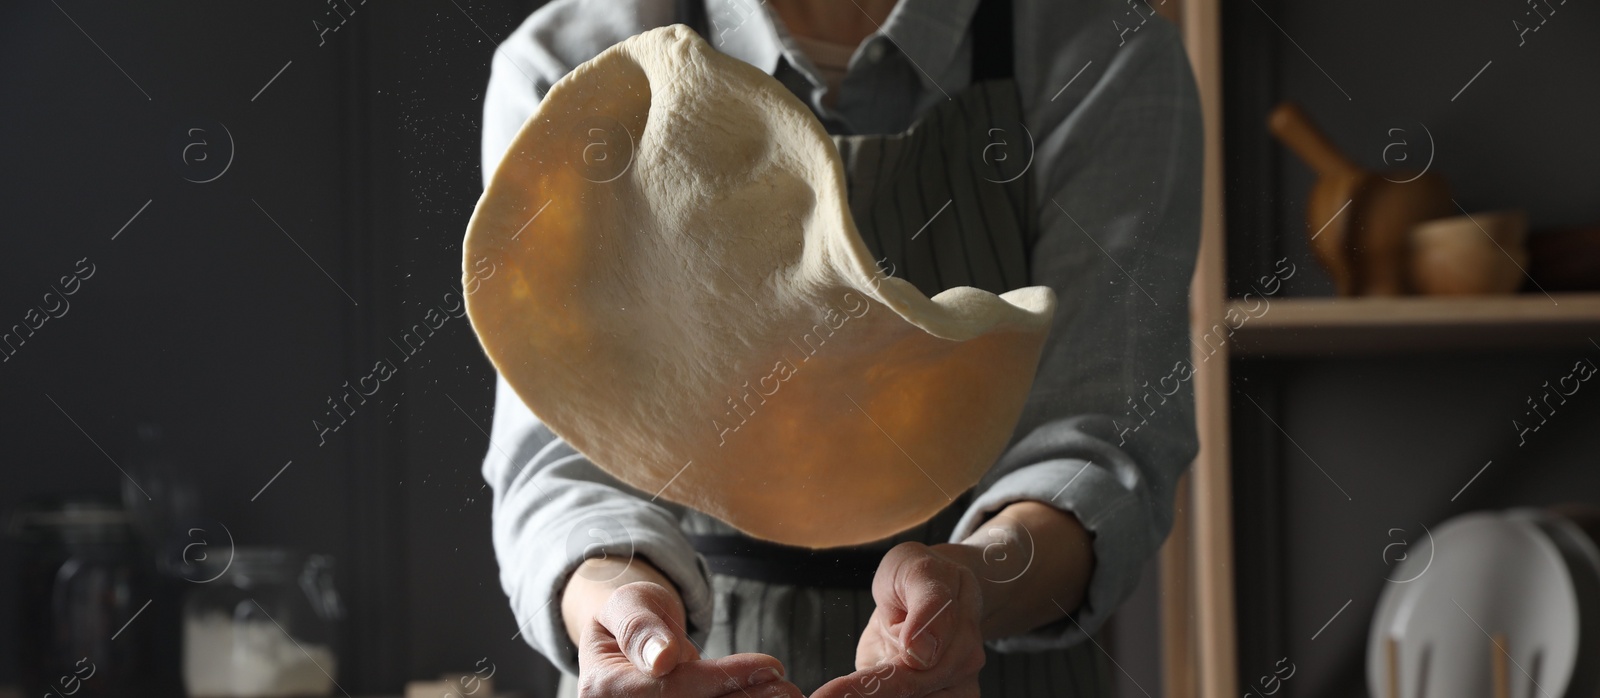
x=639, y=616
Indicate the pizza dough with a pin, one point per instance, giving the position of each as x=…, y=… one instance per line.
x=665, y=269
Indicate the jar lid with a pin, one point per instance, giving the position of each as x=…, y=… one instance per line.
x=71, y=517
x=255, y=563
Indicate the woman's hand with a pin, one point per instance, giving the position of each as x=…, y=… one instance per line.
x=925, y=636
x=632, y=641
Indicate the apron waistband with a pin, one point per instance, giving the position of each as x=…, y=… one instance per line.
x=747, y=558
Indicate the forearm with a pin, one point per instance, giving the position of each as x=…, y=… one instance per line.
x=1033, y=563
x=591, y=585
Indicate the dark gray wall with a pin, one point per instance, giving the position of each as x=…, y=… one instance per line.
x=206, y=318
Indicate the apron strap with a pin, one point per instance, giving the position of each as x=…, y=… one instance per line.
x=693, y=14
x=992, y=47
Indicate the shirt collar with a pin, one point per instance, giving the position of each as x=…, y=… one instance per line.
x=928, y=32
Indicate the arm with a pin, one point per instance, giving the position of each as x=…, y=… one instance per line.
x=1062, y=525
x=936, y=605
x=560, y=524
x=602, y=581
x=1064, y=522
x=1109, y=425
x=593, y=583
x=1021, y=588
x=565, y=534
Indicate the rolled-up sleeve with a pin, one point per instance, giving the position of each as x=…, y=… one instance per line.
x=553, y=508
x=1109, y=424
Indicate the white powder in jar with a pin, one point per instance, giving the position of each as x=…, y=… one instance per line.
x=251, y=658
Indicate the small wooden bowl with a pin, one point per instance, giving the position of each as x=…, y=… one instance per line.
x=1484, y=253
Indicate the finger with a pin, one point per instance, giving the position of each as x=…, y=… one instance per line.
x=598, y=651
x=690, y=679
x=715, y=677
x=875, y=647
x=888, y=649
x=890, y=679
x=967, y=689
x=636, y=616
x=776, y=689
x=886, y=581
x=924, y=587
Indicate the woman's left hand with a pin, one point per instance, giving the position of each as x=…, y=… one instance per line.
x=925, y=637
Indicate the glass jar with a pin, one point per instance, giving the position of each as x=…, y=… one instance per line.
x=262, y=625
x=82, y=588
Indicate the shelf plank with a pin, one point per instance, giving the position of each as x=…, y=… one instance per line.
x=1410, y=324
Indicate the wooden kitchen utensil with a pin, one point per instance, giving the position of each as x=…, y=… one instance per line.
x=1358, y=220
x=1338, y=180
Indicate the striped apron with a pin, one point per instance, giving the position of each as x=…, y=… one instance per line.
x=947, y=203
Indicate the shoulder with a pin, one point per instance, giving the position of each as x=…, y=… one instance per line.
x=547, y=45
x=1068, y=49
x=564, y=33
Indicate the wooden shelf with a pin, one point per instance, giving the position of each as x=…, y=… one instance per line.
x=1347, y=326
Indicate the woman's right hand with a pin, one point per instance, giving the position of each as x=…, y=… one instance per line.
x=634, y=644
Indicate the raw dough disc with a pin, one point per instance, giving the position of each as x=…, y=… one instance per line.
x=665, y=269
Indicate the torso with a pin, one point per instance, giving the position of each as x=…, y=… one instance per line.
x=946, y=203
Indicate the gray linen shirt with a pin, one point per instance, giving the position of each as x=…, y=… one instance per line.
x=1110, y=103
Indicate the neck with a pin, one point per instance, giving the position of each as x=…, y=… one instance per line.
x=832, y=21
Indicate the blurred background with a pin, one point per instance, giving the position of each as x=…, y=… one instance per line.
x=235, y=368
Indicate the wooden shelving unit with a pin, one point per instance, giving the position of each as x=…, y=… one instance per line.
x=1200, y=641
x=1355, y=326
